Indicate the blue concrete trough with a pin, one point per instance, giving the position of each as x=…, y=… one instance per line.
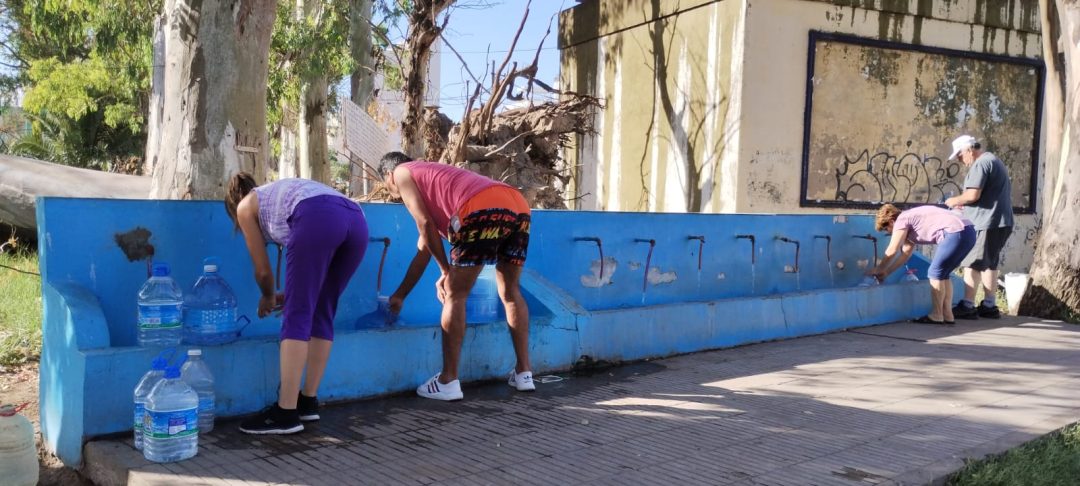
x=670, y=283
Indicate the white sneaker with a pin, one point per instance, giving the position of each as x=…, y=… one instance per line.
x=522, y=381
x=440, y=391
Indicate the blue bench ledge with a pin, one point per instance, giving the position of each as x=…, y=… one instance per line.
x=641, y=306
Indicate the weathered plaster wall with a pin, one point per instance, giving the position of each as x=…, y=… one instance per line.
x=665, y=140
x=735, y=76
x=775, y=71
x=881, y=118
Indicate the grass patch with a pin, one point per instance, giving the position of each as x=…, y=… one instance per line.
x=1050, y=460
x=20, y=309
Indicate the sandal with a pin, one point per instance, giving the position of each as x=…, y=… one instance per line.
x=927, y=320
x=950, y=323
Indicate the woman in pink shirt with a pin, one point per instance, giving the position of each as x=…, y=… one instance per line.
x=926, y=225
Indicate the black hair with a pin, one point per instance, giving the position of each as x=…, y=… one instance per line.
x=391, y=160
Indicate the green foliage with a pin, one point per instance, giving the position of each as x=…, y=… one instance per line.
x=86, y=68
x=1051, y=460
x=313, y=44
x=20, y=309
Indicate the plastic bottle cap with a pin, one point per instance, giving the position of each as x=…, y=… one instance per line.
x=209, y=268
x=161, y=269
x=7, y=411
x=194, y=352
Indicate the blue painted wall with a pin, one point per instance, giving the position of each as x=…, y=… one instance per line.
x=90, y=363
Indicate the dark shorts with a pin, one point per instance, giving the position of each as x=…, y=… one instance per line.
x=491, y=227
x=987, y=251
x=950, y=252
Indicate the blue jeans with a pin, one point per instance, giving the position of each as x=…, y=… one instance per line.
x=950, y=252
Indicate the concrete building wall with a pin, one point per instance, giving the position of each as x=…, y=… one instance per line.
x=775, y=73
x=706, y=100
x=669, y=88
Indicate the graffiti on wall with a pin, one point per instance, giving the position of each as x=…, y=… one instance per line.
x=880, y=117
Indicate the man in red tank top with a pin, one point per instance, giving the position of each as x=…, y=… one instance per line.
x=487, y=223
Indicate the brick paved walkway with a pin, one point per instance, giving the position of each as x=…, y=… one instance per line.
x=901, y=403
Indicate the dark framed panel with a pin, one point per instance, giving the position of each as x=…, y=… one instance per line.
x=880, y=117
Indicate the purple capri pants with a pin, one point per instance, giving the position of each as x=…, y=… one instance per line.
x=328, y=236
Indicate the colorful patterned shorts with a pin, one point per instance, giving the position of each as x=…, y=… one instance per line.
x=496, y=233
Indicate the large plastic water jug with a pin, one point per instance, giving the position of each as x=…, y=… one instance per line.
x=909, y=275
x=142, y=391
x=18, y=455
x=1015, y=287
x=210, y=310
x=160, y=309
x=483, y=303
x=381, y=318
x=197, y=375
x=171, y=425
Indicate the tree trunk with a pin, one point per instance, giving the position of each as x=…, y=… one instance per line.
x=362, y=80
x=423, y=32
x=214, y=118
x=312, y=147
x=157, y=90
x=1055, y=273
x=287, y=159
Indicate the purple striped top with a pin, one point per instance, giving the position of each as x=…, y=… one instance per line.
x=278, y=199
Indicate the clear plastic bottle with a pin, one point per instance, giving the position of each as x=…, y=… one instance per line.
x=171, y=424
x=160, y=309
x=210, y=310
x=483, y=302
x=197, y=375
x=909, y=275
x=18, y=454
x=142, y=390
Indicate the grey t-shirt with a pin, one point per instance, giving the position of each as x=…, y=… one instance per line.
x=994, y=207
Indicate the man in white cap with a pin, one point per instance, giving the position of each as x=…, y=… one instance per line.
x=987, y=202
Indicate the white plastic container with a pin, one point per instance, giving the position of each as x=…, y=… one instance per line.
x=197, y=375
x=18, y=454
x=1015, y=286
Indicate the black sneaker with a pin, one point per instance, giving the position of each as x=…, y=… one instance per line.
x=988, y=312
x=962, y=311
x=273, y=420
x=308, y=408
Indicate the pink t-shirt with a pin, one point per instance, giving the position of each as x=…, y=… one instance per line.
x=927, y=225
x=445, y=188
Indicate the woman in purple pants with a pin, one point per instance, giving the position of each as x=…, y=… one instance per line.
x=325, y=235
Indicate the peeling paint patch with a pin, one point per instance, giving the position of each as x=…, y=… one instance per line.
x=995, y=109
x=841, y=219
x=965, y=112
x=633, y=266
x=135, y=244
x=863, y=264
x=839, y=265
x=657, y=277
x=595, y=279
x=789, y=269
x=721, y=276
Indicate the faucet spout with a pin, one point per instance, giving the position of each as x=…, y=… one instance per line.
x=648, y=261
x=599, y=247
x=753, y=246
x=872, y=238
x=701, y=248
x=796, y=243
x=828, y=246
x=385, y=240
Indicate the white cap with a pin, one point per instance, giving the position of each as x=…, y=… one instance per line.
x=962, y=142
x=209, y=268
x=194, y=352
